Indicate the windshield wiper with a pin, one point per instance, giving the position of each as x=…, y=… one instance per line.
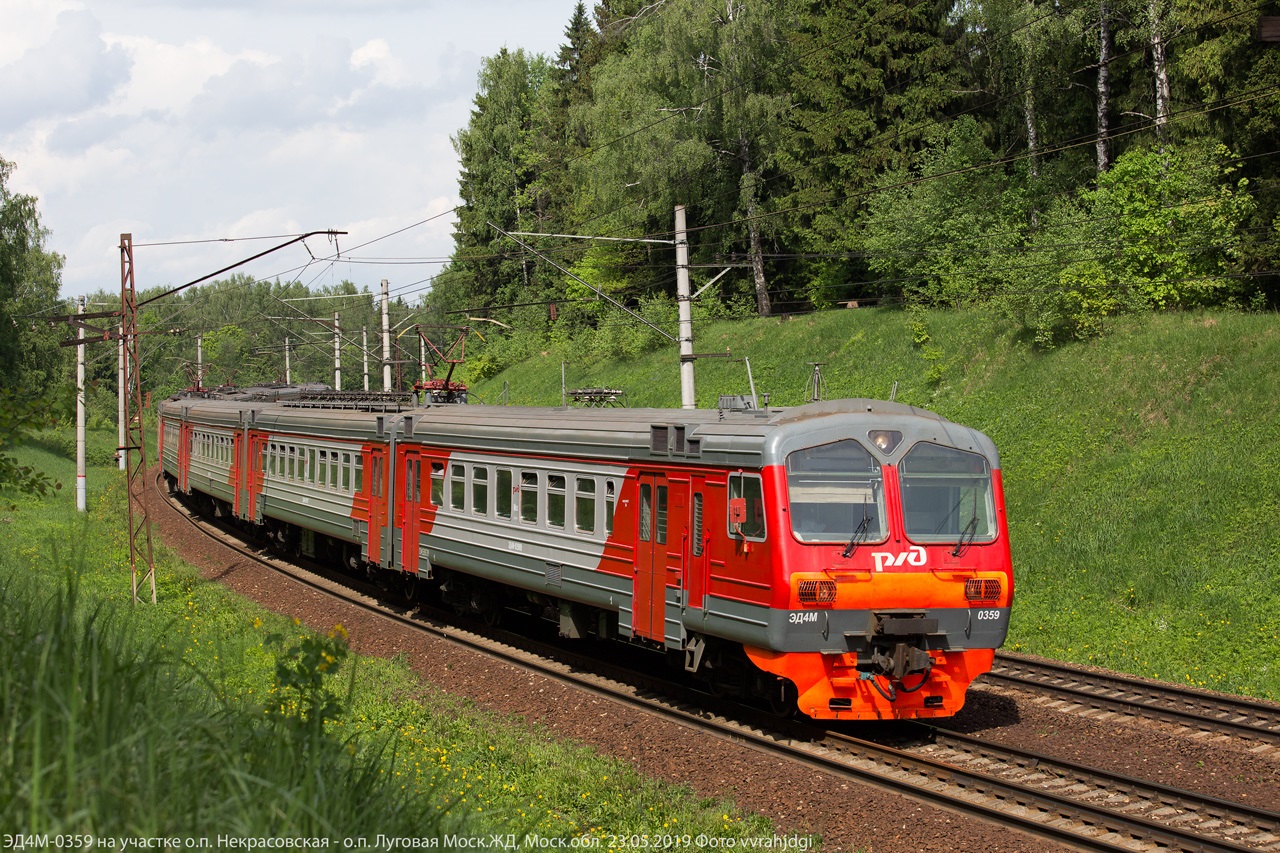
x=859, y=533
x=971, y=531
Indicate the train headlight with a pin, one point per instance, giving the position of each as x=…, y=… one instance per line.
x=982, y=589
x=817, y=592
x=885, y=439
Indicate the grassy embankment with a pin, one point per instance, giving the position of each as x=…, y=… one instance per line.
x=1141, y=470
x=196, y=717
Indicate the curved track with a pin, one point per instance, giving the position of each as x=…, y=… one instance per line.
x=1077, y=806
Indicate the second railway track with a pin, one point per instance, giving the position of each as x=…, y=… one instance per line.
x=1236, y=717
x=1078, y=806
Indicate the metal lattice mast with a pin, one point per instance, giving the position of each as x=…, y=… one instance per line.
x=135, y=441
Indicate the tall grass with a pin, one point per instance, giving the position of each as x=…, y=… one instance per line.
x=108, y=733
x=228, y=719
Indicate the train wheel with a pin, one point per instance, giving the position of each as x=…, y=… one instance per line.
x=492, y=616
x=782, y=698
x=409, y=588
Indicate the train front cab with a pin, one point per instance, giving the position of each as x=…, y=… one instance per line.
x=894, y=585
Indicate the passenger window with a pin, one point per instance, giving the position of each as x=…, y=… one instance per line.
x=646, y=522
x=584, y=500
x=324, y=467
x=749, y=489
x=610, y=501
x=457, y=486
x=555, y=500
x=480, y=490
x=437, y=483
x=359, y=474
x=346, y=472
x=502, y=493
x=529, y=496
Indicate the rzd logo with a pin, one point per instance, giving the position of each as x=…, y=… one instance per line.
x=914, y=556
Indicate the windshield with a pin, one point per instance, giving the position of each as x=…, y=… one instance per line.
x=835, y=491
x=946, y=495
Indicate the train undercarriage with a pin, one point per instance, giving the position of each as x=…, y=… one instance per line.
x=721, y=667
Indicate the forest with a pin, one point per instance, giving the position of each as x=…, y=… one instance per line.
x=1055, y=164
x=1062, y=162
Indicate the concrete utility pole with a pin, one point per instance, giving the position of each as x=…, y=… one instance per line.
x=288, y=367
x=337, y=354
x=386, y=337
x=81, y=491
x=199, y=362
x=364, y=354
x=687, y=398
x=120, y=391
x=422, y=356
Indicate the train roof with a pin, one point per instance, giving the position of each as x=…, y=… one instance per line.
x=737, y=438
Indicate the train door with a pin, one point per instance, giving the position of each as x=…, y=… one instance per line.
x=185, y=439
x=697, y=560
x=661, y=534
x=375, y=465
x=255, y=474
x=239, y=469
x=411, y=512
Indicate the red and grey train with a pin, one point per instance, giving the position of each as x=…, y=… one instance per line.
x=849, y=559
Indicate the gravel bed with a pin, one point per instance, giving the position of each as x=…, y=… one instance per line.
x=848, y=816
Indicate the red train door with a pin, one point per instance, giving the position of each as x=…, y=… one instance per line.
x=695, y=572
x=253, y=481
x=649, y=595
x=661, y=536
x=376, y=477
x=411, y=512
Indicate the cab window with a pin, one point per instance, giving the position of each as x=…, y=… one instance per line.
x=836, y=491
x=947, y=495
x=747, y=489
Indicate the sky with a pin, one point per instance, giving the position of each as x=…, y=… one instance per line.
x=202, y=120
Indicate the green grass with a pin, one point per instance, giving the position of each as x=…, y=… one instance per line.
x=1140, y=469
x=189, y=718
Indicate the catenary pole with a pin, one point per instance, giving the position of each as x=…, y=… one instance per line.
x=688, y=399
x=120, y=390
x=386, y=336
x=337, y=354
x=81, y=490
x=364, y=354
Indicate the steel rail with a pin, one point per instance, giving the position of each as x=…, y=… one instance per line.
x=1137, y=697
x=1216, y=817
x=1047, y=814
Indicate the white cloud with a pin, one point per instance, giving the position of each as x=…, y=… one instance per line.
x=167, y=76
x=74, y=71
x=28, y=22
x=203, y=119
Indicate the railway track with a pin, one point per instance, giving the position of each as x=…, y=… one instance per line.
x=1078, y=806
x=1110, y=692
